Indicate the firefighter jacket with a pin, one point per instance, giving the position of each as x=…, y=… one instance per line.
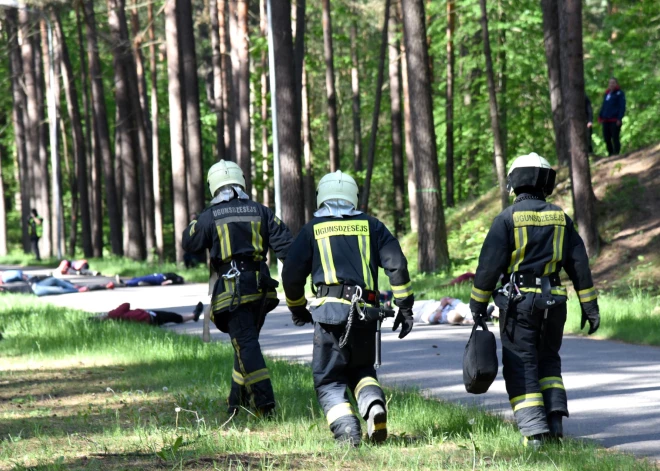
x=239, y=230
x=536, y=238
x=344, y=251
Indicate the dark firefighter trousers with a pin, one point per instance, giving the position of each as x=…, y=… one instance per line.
x=532, y=366
x=250, y=380
x=336, y=369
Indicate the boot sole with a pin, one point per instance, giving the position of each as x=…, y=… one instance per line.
x=377, y=427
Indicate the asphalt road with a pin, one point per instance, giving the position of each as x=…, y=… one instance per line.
x=613, y=388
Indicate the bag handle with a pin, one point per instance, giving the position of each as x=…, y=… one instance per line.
x=479, y=321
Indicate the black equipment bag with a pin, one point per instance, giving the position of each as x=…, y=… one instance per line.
x=480, y=359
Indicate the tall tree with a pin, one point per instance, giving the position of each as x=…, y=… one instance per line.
x=410, y=155
x=265, y=149
x=397, y=125
x=552, y=55
x=309, y=185
x=572, y=69
x=432, y=252
x=500, y=159
x=155, y=141
x=179, y=195
x=449, y=108
x=328, y=53
x=18, y=120
x=94, y=163
x=228, y=97
x=71, y=94
x=128, y=123
x=101, y=131
x=299, y=52
x=216, y=64
x=371, y=155
x=243, y=78
x=293, y=209
x=502, y=76
x=355, y=87
x=193, y=131
x=3, y=209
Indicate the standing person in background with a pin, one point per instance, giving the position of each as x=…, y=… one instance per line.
x=611, y=116
x=590, y=123
x=35, y=223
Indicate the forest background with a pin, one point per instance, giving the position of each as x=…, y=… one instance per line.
x=180, y=84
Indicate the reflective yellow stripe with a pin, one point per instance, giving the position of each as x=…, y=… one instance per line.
x=364, y=382
x=380, y=426
x=298, y=302
x=479, y=295
x=550, y=382
x=402, y=291
x=222, y=302
x=587, y=295
x=518, y=255
x=340, y=410
x=237, y=348
x=321, y=301
x=238, y=378
x=535, y=218
x=225, y=241
x=526, y=400
x=557, y=250
x=556, y=290
x=256, y=376
x=364, y=245
x=329, y=272
x=481, y=291
x=192, y=228
x=257, y=240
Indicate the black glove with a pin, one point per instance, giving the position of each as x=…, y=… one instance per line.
x=300, y=315
x=404, y=318
x=592, y=315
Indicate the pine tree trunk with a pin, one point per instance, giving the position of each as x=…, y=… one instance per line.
x=355, y=86
x=265, y=148
x=410, y=154
x=155, y=140
x=395, y=113
x=299, y=53
x=293, y=209
x=366, y=187
x=79, y=153
x=18, y=120
x=333, y=133
x=449, y=107
x=433, y=253
x=243, y=76
x=228, y=97
x=500, y=160
x=309, y=185
x=232, y=26
x=179, y=194
x=193, y=129
x=216, y=64
x=102, y=133
x=572, y=69
x=502, y=79
x=552, y=56
x=128, y=123
x=3, y=210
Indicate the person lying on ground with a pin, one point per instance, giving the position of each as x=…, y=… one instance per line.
x=155, y=279
x=15, y=281
x=125, y=313
x=446, y=311
x=76, y=267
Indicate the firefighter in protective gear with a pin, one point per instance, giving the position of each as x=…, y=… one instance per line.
x=527, y=246
x=238, y=233
x=342, y=249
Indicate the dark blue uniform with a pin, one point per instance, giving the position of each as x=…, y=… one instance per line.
x=611, y=113
x=241, y=231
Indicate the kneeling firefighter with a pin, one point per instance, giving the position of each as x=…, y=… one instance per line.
x=527, y=246
x=342, y=248
x=238, y=233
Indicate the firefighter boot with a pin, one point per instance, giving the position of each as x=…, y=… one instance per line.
x=555, y=426
x=377, y=423
x=347, y=430
x=534, y=442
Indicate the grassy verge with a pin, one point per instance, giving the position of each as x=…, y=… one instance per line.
x=82, y=395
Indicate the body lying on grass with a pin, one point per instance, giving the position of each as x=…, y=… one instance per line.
x=82, y=395
x=154, y=279
x=156, y=317
x=15, y=281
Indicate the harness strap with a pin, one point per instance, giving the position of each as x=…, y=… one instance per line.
x=347, y=292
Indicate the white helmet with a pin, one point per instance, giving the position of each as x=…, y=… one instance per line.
x=337, y=185
x=225, y=173
x=531, y=170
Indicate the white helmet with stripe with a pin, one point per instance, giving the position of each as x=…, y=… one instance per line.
x=337, y=185
x=225, y=173
x=531, y=171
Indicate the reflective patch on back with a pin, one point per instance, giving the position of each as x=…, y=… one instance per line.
x=539, y=218
x=341, y=228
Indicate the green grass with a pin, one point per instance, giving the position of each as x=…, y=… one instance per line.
x=76, y=394
x=112, y=265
